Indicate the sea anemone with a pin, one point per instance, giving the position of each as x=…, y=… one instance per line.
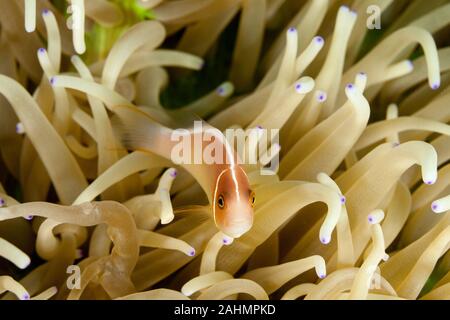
x=358, y=206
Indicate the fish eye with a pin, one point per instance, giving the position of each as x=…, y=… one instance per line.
x=221, y=202
x=252, y=198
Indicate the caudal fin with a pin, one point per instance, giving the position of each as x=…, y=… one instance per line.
x=138, y=129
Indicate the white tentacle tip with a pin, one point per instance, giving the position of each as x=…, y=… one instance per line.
x=167, y=220
x=173, y=173
x=298, y=87
x=321, y=96
x=435, y=85
x=187, y=292
x=20, y=129
x=319, y=39
x=221, y=91
x=23, y=262
x=26, y=296
x=385, y=257
x=325, y=239
x=304, y=85
x=276, y=147
x=226, y=240
x=225, y=89
x=376, y=216
x=435, y=207
x=350, y=90
x=361, y=76
x=320, y=267
x=80, y=48
x=410, y=65
x=441, y=205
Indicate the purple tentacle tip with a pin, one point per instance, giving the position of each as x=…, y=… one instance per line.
x=292, y=29
x=225, y=241
x=350, y=86
x=343, y=199
x=319, y=39
x=45, y=11
x=322, y=276
x=173, y=174
x=259, y=127
x=29, y=217
x=2, y=202
x=324, y=240
x=363, y=74
x=26, y=296
x=298, y=86
x=434, y=207
x=192, y=253
x=41, y=50
x=322, y=96
x=52, y=80
x=435, y=86
x=430, y=182
x=220, y=91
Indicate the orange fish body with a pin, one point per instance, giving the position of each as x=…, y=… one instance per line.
x=225, y=182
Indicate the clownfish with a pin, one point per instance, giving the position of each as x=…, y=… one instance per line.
x=225, y=182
